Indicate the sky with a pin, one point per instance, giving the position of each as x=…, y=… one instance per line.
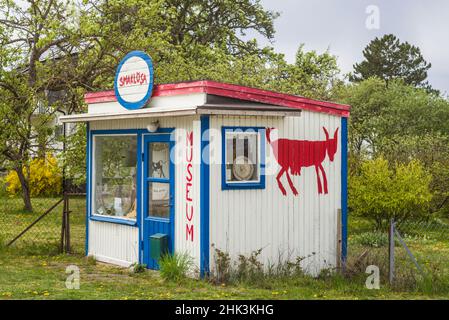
x=340, y=25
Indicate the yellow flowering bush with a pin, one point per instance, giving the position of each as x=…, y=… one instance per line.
x=45, y=178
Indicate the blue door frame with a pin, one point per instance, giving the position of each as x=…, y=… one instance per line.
x=153, y=225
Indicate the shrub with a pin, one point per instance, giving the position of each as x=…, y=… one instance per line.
x=175, y=267
x=380, y=193
x=45, y=178
x=222, y=266
x=249, y=269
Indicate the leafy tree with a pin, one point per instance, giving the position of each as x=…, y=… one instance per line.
x=69, y=47
x=400, y=123
x=387, y=58
x=315, y=75
x=381, y=193
x=379, y=113
x=195, y=23
x=26, y=35
x=219, y=55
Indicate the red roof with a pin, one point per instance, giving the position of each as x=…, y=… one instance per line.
x=232, y=91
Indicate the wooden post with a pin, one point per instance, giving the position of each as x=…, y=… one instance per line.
x=391, y=252
x=339, y=240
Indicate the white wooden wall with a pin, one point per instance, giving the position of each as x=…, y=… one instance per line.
x=113, y=243
x=242, y=221
x=102, y=239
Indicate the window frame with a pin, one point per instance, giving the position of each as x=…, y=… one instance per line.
x=244, y=185
x=105, y=218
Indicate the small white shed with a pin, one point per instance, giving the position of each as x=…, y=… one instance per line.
x=209, y=165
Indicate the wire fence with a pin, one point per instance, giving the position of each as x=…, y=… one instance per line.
x=43, y=227
x=412, y=255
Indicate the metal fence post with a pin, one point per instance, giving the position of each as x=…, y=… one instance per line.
x=67, y=239
x=63, y=225
x=391, y=252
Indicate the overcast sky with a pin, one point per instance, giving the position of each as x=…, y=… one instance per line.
x=340, y=26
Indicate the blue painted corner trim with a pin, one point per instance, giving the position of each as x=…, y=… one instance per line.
x=243, y=185
x=344, y=188
x=204, y=196
x=88, y=156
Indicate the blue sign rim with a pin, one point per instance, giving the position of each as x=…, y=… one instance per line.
x=138, y=104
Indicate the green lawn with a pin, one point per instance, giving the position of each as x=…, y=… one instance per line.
x=43, y=277
x=32, y=268
x=45, y=236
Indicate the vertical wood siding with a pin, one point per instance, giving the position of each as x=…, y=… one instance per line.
x=284, y=227
x=242, y=221
x=114, y=243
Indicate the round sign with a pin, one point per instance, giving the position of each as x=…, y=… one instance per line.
x=133, y=82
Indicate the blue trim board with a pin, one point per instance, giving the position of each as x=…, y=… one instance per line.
x=204, y=197
x=139, y=191
x=243, y=185
x=344, y=188
x=127, y=222
x=88, y=157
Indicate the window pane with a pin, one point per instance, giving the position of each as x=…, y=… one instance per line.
x=242, y=157
x=159, y=200
x=159, y=160
x=115, y=167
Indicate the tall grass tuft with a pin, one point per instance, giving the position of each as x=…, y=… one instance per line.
x=175, y=267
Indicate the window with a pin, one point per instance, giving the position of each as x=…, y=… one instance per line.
x=243, y=158
x=159, y=191
x=114, y=176
x=59, y=131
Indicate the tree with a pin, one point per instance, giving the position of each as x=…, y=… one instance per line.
x=30, y=68
x=381, y=193
x=315, y=75
x=382, y=113
x=400, y=123
x=43, y=53
x=217, y=23
x=67, y=46
x=387, y=58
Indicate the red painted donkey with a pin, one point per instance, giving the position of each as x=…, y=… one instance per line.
x=292, y=155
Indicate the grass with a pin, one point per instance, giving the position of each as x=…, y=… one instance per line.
x=175, y=267
x=44, y=237
x=32, y=268
x=429, y=245
x=43, y=277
